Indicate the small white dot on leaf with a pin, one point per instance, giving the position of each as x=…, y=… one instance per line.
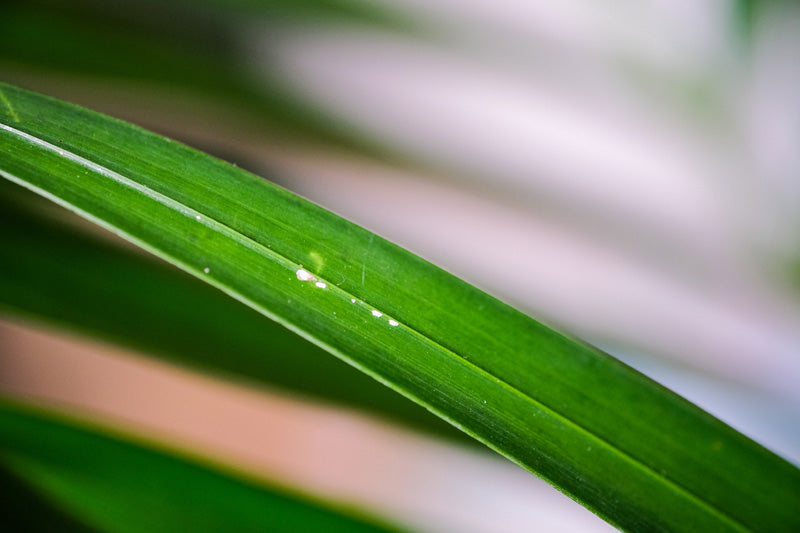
x=305, y=275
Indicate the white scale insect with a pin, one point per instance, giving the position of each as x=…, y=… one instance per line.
x=305, y=275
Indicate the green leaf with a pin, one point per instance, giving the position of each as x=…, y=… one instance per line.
x=202, y=56
x=94, y=481
x=744, y=14
x=55, y=273
x=632, y=451
x=24, y=509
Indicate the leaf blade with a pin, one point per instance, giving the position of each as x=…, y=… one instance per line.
x=124, y=486
x=630, y=450
x=53, y=274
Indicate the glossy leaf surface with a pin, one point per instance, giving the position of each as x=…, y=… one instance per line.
x=635, y=453
x=62, y=276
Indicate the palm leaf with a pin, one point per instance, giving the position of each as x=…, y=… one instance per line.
x=632, y=451
x=66, y=476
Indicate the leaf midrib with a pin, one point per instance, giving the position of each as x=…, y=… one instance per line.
x=282, y=260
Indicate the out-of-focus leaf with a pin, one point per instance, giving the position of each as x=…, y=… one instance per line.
x=178, y=46
x=117, y=486
x=24, y=509
x=744, y=18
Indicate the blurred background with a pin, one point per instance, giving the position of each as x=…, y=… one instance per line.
x=627, y=171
